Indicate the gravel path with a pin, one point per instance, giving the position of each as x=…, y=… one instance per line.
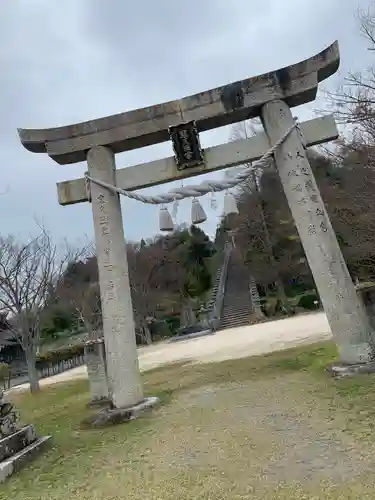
x=270, y=431
x=269, y=439
x=227, y=344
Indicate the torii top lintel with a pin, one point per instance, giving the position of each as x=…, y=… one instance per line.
x=296, y=84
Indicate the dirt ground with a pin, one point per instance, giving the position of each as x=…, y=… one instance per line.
x=265, y=427
x=227, y=344
x=259, y=439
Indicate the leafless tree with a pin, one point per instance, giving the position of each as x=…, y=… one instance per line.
x=351, y=199
x=28, y=274
x=143, y=264
x=84, y=300
x=354, y=101
x=250, y=194
x=78, y=292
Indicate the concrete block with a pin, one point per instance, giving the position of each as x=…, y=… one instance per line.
x=114, y=416
x=341, y=370
x=96, y=368
x=10, y=445
x=16, y=462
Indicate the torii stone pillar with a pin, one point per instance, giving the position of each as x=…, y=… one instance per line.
x=346, y=315
x=118, y=323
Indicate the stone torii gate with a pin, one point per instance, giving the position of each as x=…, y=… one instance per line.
x=269, y=96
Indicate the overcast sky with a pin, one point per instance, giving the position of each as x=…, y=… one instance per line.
x=73, y=60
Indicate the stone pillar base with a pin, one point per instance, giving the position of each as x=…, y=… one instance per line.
x=100, y=403
x=113, y=416
x=341, y=370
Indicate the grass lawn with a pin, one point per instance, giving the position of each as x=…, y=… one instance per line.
x=266, y=427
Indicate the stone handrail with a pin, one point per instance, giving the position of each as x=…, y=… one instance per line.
x=218, y=304
x=254, y=294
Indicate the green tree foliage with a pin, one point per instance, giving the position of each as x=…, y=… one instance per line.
x=164, y=273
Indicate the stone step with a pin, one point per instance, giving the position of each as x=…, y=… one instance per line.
x=19, y=460
x=239, y=287
x=235, y=310
x=234, y=320
x=10, y=445
x=237, y=300
x=234, y=313
x=233, y=316
x=225, y=326
x=237, y=274
x=231, y=309
x=237, y=305
x=237, y=295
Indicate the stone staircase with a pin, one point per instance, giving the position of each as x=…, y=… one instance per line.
x=237, y=304
x=18, y=449
x=215, y=303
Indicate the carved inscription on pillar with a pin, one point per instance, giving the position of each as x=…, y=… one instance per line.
x=302, y=182
x=106, y=233
x=104, y=228
x=307, y=195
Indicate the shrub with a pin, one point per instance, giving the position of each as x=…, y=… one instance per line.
x=296, y=288
x=57, y=356
x=309, y=301
x=56, y=320
x=161, y=329
x=62, y=320
x=173, y=322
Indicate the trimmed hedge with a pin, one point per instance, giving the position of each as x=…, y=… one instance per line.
x=59, y=355
x=308, y=301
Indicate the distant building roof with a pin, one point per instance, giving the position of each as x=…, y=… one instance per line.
x=6, y=337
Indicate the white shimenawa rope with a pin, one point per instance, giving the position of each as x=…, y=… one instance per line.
x=192, y=191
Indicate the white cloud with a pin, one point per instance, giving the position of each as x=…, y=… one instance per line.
x=63, y=62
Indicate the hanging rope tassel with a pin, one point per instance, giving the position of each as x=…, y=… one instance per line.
x=165, y=220
x=299, y=130
x=88, y=187
x=198, y=215
x=230, y=204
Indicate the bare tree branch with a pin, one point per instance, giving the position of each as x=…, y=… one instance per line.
x=29, y=272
